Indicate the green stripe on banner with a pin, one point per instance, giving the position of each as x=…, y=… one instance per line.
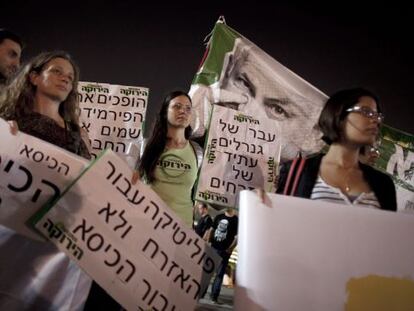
x=221, y=42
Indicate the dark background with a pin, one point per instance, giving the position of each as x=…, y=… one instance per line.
x=332, y=46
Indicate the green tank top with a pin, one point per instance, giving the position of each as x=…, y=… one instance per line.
x=175, y=175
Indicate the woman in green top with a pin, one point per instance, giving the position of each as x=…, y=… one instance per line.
x=170, y=160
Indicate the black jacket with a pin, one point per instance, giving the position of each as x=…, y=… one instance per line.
x=380, y=183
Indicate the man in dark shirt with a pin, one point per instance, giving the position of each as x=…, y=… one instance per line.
x=10, y=52
x=205, y=221
x=223, y=238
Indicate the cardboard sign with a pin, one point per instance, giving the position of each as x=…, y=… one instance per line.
x=300, y=254
x=32, y=171
x=113, y=116
x=128, y=240
x=242, y=152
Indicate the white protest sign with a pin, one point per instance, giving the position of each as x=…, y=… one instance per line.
x=299, y=254
x=242, y=153
x=128, y=240
x=113, y=116
x=32, y=171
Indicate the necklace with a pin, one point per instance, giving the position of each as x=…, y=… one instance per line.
x=347, y=189
x=346, y=176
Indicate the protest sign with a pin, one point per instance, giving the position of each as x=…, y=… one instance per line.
x=32, y=171
x=322, y=256
x=113, y=116
x=242, y=152
x=128, y=240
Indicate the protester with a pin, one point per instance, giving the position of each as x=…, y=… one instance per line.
x=42, y=101
x=171, y=160
x=205, y=222
x=349, y=121
x=10, y=52
x=223, y=238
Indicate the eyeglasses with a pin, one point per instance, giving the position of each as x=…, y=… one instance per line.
x=367, y=112
x=177, y=107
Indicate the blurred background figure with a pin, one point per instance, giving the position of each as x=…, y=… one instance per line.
x=10, y=52
x=205, y=221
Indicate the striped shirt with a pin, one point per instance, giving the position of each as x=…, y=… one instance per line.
x=325, y=192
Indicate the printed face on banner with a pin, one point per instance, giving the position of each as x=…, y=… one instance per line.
x=31, y=172
x=257, y=85
x=242, y=153
x=113, y=116
x=128, y=240
x=237, y=74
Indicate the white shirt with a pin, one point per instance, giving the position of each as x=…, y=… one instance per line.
x=325, y=192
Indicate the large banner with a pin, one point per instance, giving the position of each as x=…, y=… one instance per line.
x=128, y=240
x=32, y=171
x=238, y=74
x=242, y=152
x=397, y=159
x=234, y=72
x=113, y=116
x=322, y=256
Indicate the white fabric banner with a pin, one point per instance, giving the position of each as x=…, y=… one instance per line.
x=242, y=152
x=128, y=240
x=299, y=254
x=113, y=116
x=236, y=73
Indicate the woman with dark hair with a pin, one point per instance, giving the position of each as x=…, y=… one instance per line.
x=42, y=101
x=170, y=160
x=349, y=121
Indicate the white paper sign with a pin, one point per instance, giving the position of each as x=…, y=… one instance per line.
x=299, y=254
x=113, y=116
x=32, y=171
x=242, y=153
x=128, y=240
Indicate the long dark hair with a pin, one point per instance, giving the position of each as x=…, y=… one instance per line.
x=158, y=140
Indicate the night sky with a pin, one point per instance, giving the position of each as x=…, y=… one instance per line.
x=160, y=46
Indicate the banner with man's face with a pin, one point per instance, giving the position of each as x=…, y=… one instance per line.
x=239, y=75
x=236, y=73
